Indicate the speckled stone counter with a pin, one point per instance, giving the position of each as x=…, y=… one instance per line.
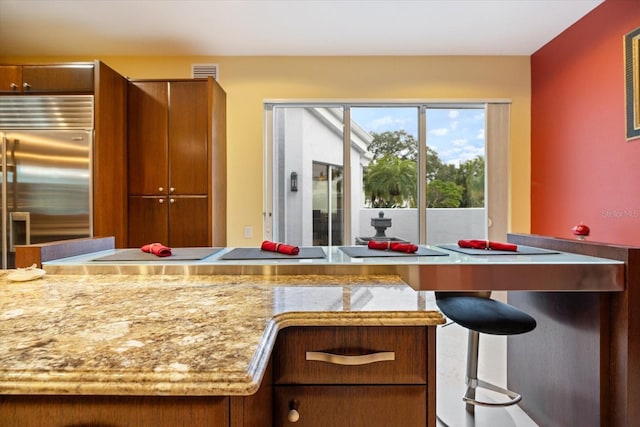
x=174, y=334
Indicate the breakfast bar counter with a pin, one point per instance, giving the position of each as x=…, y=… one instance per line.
x=439, y=269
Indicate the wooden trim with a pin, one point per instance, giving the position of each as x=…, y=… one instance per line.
x=110, y=155
x=431, y=376
x=497, y=167
x=218, y=182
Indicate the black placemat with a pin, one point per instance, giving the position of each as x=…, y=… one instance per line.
x=257, y=253
x=365, y=252
x=177, y=254
x=522, y=250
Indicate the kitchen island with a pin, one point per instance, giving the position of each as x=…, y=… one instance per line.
x=69, y=342
x=102, y=342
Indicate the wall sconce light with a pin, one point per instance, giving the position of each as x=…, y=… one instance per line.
x=294, y=181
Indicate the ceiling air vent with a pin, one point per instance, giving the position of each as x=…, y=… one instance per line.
x=202, y=71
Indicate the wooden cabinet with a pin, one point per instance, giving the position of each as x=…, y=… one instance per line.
x=173, y=160
x=114, y=411
x=177, y=220
x=47, y=78
x=354, y=376
x=351, y=406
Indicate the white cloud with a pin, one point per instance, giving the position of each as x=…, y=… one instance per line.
x=439, y=131
x=381, y=122
x=385, y=123
x=460, y=142
x=453, y=114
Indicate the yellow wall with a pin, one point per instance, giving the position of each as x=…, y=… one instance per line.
x=249, y=81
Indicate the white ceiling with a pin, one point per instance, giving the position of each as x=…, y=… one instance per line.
x=283, y=27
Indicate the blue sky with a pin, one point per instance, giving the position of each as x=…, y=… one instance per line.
x=456, y=134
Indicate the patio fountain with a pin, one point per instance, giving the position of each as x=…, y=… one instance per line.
x=380, y=224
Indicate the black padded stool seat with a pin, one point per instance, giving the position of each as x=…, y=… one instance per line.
x=485, y=315
x=481, y=314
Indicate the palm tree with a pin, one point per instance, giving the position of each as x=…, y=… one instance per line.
x=391, y=182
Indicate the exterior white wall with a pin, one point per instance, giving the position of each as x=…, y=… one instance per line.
x=293, y=162
x=307, y=140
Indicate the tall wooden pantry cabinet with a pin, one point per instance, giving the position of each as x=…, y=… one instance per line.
x=176, y=162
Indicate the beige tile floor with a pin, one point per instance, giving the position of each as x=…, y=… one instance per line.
x=451, y=366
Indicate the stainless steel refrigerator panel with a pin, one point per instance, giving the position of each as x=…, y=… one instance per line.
x=45, y=169
x=46, y=186
x=46, y=112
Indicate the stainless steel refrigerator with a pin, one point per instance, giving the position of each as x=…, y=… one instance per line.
x=45, y=170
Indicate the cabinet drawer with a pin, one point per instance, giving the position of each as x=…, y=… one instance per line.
x=353, y=406
x=351, y=355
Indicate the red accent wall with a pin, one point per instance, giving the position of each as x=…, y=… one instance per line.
x=582, y=167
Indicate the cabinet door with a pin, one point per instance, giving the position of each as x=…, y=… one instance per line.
x=351, y=406
x=148, y=155
x=148, y=218
x=10, y=79
x=114, y=411
x=188, y=222
x=188, y=137
x=57, y=78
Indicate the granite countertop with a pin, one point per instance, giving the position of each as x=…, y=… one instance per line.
x=177, y=334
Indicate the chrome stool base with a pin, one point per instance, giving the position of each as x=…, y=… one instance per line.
x=474, y=383
x=469, y=396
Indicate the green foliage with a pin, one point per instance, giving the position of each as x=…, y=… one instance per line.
x=443, y=194
x=471, y=178
x=391, y=179
x=394, y=143
x=391, y=182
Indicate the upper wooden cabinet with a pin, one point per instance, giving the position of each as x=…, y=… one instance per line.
x=47, y=78
x=168, y=138
x=176, y=162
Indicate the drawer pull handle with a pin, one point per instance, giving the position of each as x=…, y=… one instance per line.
x=337, y=359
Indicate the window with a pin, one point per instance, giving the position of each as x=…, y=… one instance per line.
x=414, y=172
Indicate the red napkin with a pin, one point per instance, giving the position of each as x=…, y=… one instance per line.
x=280, y=247
x=158, y=249
x=486, y=244
x=393, y=246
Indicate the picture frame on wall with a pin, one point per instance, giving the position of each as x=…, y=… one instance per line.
x=632, y=83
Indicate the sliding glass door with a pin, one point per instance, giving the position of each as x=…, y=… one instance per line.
x=327, y=205
x=436, y=172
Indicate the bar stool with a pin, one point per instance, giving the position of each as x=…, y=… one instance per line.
x=480, y=314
